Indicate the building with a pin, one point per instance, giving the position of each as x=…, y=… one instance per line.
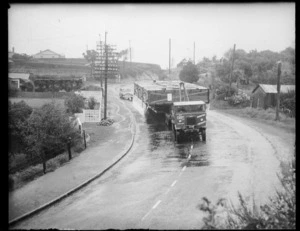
x=15, y=79
x=11, y=53
x=265, y=95
x=90, y=115
x=48, y=54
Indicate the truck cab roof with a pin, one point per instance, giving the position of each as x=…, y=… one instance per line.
x=183, y=103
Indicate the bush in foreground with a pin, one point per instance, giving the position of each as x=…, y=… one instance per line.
x=279, y=213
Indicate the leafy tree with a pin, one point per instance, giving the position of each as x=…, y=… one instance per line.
x=74, y=103
x=21, y=57
x=18, y=113
x=123, y=54
x=90, y=56
x=48, y=131
x=92, y=102
x=189, y=73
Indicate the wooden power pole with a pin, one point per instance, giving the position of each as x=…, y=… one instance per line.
x=105, y=77
x=278, y=89
x=130, y=52
x=231, y=71
x=169, y=57
x=194, y=54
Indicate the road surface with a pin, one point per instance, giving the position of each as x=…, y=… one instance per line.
x=159, y=184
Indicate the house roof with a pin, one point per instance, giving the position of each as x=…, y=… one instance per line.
x=18, y=75
x=268, y=88
x=49, y=51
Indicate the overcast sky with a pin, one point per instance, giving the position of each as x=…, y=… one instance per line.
x=69, y=28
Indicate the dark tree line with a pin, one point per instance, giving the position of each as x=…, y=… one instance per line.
x=254, y=66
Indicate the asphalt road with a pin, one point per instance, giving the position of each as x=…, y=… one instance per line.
x=159, y=184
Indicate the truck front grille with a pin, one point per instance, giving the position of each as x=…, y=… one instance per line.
x=191, y=121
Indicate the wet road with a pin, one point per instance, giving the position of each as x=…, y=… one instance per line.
x=159, y=184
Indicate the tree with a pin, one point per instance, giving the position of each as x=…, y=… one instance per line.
x=123, y=54
x=92, y=102
x=90, y=56
x=48, y=132
x=21, y=57
x=189, y=73
x=18, y=113
x=74, y=103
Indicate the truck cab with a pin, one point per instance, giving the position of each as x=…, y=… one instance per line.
x=188, y=118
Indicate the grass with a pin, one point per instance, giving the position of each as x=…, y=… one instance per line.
x=22, y=177
x=38, y=102
x=266, y=116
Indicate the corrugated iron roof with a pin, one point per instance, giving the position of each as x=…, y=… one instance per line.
x=268, y=88
x=18, y=75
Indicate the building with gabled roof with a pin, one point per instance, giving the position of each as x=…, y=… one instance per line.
x=48, y=54
x=264, y=95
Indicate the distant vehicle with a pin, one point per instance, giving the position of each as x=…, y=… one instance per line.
x=126, y=94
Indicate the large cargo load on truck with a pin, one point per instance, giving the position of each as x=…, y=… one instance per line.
x=154, y=93
x=184, y=105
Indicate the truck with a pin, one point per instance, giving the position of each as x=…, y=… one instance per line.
x=183, y=104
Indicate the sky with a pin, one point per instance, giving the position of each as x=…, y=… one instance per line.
x=70, y=29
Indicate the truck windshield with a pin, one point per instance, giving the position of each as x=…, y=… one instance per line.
x=190, y=108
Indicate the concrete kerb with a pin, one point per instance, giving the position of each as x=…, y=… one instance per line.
x=26, y=215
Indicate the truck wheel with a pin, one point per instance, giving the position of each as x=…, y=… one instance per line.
x=203, y=135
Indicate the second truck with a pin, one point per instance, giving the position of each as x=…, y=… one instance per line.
x=184, y=105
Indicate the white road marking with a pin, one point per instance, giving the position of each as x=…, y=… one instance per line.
x=175, y=181
x=180, y=173
x=183, y=168
x=189, y=156
x=167, y=191
x=157, y=203
x=146, y=215
x=192, y=146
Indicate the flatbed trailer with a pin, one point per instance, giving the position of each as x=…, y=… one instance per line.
x=159, y=96
x=183, y=104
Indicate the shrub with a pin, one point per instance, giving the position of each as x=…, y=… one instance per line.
x=239, y=99
x=92, y=102
x=30, y=173
x=11, y=183
x=279, y=213
x=225, y=91
x=74, y=103
x=189, y=73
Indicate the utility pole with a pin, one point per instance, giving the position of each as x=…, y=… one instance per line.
x=194, y=53
x=169, y=57
x=278, y=89
x=105, y=77
x=230, y=80
x=130, y=52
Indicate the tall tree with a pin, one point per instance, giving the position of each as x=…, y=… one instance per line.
x=90, y=56
x=48, y=132
x=189, y=73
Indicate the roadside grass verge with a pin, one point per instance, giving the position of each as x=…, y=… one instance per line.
x=266, y=116
x=20, y=178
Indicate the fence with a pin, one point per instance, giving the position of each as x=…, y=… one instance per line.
x=92, y=115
